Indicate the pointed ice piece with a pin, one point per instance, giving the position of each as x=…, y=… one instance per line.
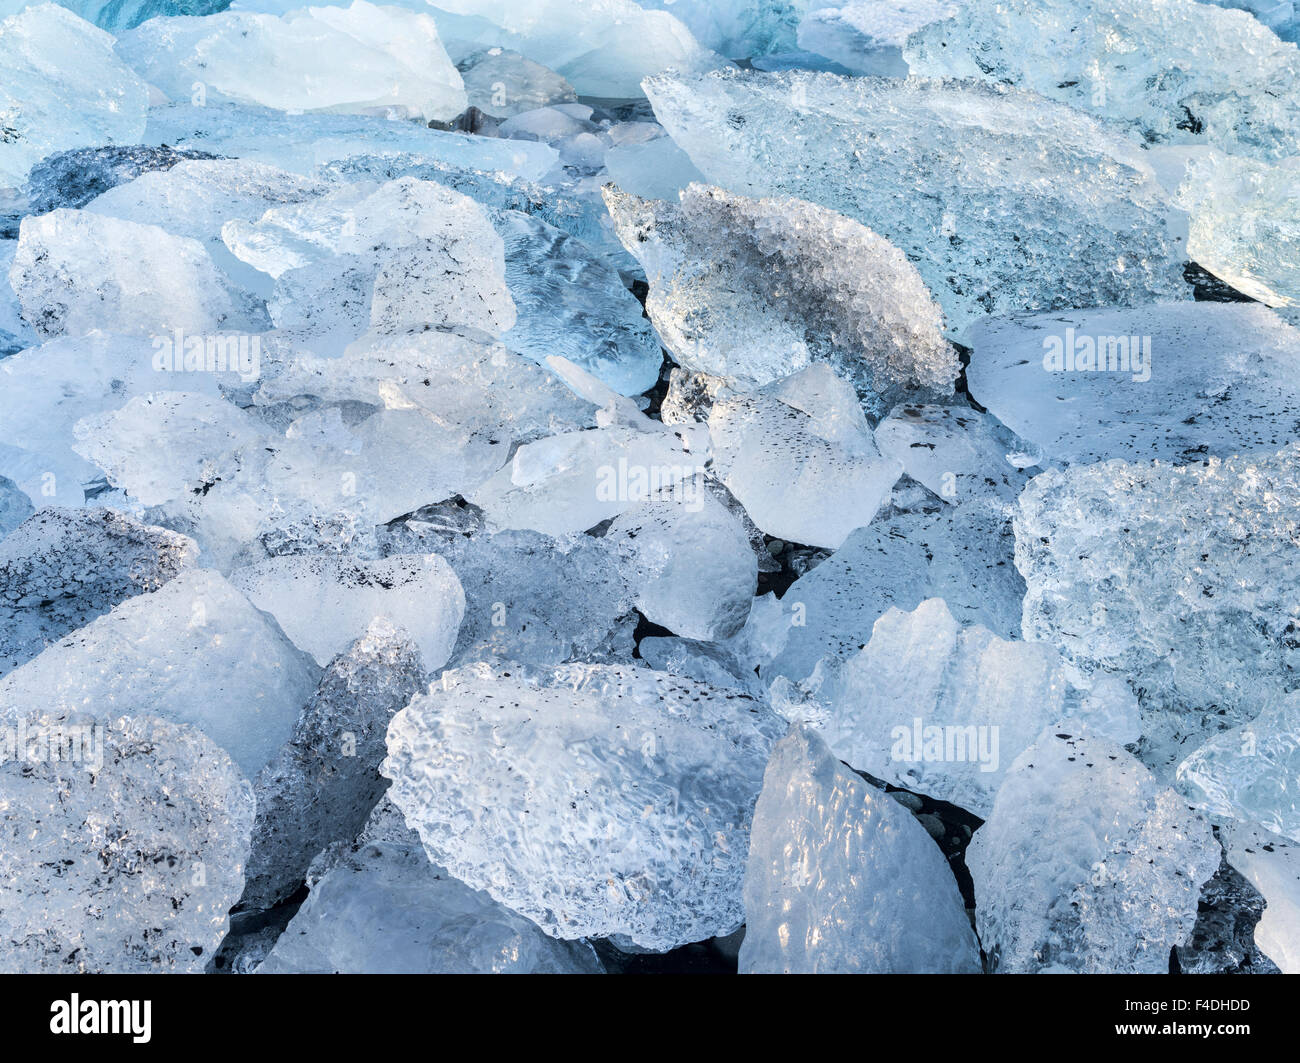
x=595, y=800
x=1174, y=71
x=126, y=862
x=1091, y=220
x=754, y=290
x=1177, y=382
x=325, y=603
x=63, y=88
x=842, y=879
x=342, y=59
x=1272, y=865
x=1087, y=864
x=63, y=567
x=194, y=651
x=957, y=452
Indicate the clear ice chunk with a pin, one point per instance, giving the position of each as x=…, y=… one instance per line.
x=867, y=36
x=503, y=83
x=73, y=178
x=1087, y=864
x=957, y=452
x=842, y=879
x=595, y=800
x=1272, y=865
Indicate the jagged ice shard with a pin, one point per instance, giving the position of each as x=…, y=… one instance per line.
x=1034, y=206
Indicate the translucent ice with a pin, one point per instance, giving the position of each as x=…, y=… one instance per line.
x=320, y=787
x=504, y=83
x=595, y=800
x=325, y=603
x=342, y=59
x=73, y=178
x=1033, y=205
x=75, y=271
x=62, y=88
x=1272, y=864
x=1176, y=382
x=691, y=567
x=957, y=452
x=129, y=868
x=1172, y=70
x=739, y=28
x=867, y=36
x=1087, y=864
x=754, y=290
x=1177, y=578
x=15, y=506
x=62, y=568
x=193, y=651
x=842, y=879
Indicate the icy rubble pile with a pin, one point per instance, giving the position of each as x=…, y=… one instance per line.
x=511, y=486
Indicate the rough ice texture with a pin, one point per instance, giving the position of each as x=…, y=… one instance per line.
x=691, y=567
x=1036, y=205
x=63, y=88
x=322, y=785
x=325, y=603
x=962, y=554
x=378, y=906
x=341, y=59
x=1177, y=382
x=193, y=651
x=805, y=471
x=934, y=707
x=503, y=83
x=739, y=28
x=63, y=567
x=603, y=48
x=867, y=36
x=842, y=879
x=596, y=800
x=15, y=506
x=1171, y=70
x=75, y=271
x=1087, y=864
x=755, y=290
x=571, y=303
x=118, y=15
x=1245, y=224
x=1272, y=865
x=1178, y=578
x=73, y=178
x=127, y=869
x=957, y=452
x=1249, y=773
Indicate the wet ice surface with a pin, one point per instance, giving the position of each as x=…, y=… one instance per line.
x=610, y=486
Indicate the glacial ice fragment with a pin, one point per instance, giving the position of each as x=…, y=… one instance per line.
x=957, y=452
x=73, y=178
x=1272, y=865
x=867, y=36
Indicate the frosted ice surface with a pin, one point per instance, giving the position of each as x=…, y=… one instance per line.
x=806, y=472
x=960, y=553
x=1087, y=863
x=73, y=178
x=301, y=143
x=342, y=59
x=933, y=706
x=46, y=389
x=1174, y=71
x=1177, y=578
x=603, y=48
x=325, y=603
x=842, y=879
x=62, y=568
x=573, y=481
x=381, y=907
x=754, y=290
x=867, y=36
x=63, y=88
x=1245, y=224
x=1034, y=205
x=957, y=452
x=1272, y=864
x=153, y=843
x=75, y=271
x=321, y=787
x=569, y=302
x=713, y=663
x=690, y=566
x=1249, y=773
x=503, y=83
x=1176, y=382
x=193, y=651
x=15, y=506
x=653, y=169
x=595, y=800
